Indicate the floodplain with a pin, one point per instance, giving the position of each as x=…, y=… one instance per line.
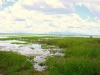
x=29, y=54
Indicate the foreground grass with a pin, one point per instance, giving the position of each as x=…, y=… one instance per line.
x=15, y=64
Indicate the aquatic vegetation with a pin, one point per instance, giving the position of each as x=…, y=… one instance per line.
x=20, y=43
x=42, y=63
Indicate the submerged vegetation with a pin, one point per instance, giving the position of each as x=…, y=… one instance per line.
x=81, y=57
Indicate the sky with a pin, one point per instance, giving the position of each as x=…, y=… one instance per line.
x=48, y=16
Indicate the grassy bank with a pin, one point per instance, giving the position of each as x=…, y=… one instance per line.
x=15, y=64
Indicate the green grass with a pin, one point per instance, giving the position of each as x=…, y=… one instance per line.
x=42, y=63
x=15, y=64
x=82, y=57
x=20, y=43
x=73, y=66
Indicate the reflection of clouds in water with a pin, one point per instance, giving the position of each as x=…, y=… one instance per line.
x=36, y=46
x=37, y=51
x=6, y=45
x=23, y=49
x=39, y=59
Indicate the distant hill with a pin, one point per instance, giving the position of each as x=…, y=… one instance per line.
x=67, y=33
x=52, y=33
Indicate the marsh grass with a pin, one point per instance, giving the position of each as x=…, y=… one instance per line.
x=71, y=66
x=19, y=43
x=81, y=57
x=42, y=63
x=13, y=38
x=13, y=63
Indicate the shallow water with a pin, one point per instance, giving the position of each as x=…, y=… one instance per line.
x=28, y=50
x=37, y=60
x=4, y=37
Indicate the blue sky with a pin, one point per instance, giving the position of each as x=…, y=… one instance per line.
x=45, y=16
x=84, y=12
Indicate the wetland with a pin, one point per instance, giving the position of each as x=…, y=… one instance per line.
x=49, y=55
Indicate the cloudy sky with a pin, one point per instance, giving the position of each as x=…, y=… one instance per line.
x=46, y=16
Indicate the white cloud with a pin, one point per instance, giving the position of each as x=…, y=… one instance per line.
x=16, y=18
x=9, y=0
x=55, y=3
x=28, y=2
x=42, y=7
x=0, y=3
x=55, y=6
x=92, y=5
x=6, y=1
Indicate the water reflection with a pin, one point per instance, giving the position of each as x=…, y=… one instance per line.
x=28, y=50
x=39, y=59
x=36, y=46
x=3, y=37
